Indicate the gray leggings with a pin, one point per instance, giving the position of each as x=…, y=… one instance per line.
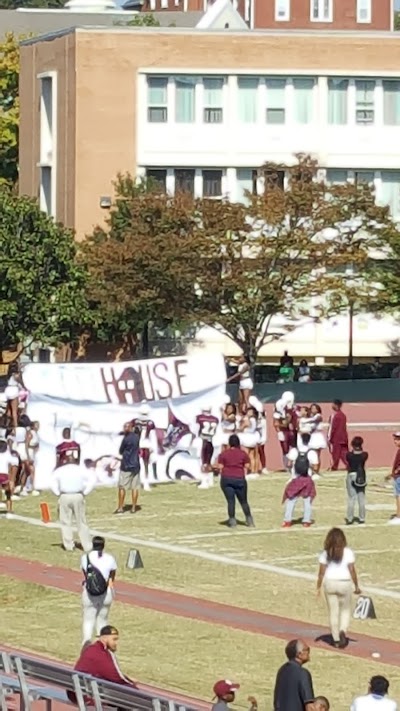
x=355, y=494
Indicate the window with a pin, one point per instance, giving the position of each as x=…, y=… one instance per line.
x=276, y=100
x=321, y=11
x=336, y=176
x=337, y=101
x=158, y=177
x=45, y=195
x=282, y=10
x=391, y=103
x=363, y=10
x=212, y=183
x=246, y=183
x=213, y=99
x=303, y=100
x=184, y=181
x=390, y=191
x=274, y=179
x=164, y=4
x=46, y=120
x=185, y=99
x=365, y=102
x=247, y=99
x=157, y=111
x=364, y=176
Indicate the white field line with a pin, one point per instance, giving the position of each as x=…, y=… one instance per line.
x=205, y=555
x=281, y=531
x=360, y=551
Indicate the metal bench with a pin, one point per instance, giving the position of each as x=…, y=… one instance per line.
x=58, y=680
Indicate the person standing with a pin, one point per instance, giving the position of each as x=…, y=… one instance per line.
x=32, y=446
x=72, y=483
x=356, y=480
x=395, y=475
x=233, y=465
x=294, y=686
x=129, y=476
x=338, y=438
x=301, y=485
x=99, y=569
x=376, y=699
x=243, y=375
x=337, y=573
x=67, y=448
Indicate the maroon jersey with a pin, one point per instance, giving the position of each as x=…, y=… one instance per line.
x=207, y=426
x=66, y=449
x=144, y=425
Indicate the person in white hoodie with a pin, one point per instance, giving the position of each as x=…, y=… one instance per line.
x=376, y=699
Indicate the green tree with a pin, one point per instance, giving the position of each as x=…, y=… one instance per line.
x=143, y=266
x=397, y=21
x=142, y=19
x=302, y=251
x=9, y=109
x=42, y=285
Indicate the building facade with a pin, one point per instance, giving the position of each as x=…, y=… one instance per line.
x=294, y=14
x=203, y=110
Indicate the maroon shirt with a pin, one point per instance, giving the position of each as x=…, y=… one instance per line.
x=65, y=449
x=233, y=461
x=338, y=429
x=207, y=426
x=396, y=465
x=99, y=662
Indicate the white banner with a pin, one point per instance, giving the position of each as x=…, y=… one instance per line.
x=96, y=399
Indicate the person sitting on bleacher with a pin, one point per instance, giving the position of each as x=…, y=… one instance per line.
x=98, y=659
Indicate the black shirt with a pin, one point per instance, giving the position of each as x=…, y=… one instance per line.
x=293, y=688
x=356, y=461
x=130, y=453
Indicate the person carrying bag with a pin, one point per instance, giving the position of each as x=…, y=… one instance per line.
x=99, y=571
x=356, y=480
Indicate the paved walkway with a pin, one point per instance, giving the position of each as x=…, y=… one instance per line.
x=361, y=646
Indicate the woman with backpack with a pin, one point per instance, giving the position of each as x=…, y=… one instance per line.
x=356, y=480
x=99, y=569
x=301, y=485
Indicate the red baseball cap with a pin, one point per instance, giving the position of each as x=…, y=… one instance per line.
x=224, y=687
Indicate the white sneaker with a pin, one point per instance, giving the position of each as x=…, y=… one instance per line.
x=35, y=492
x=252, y=476
x=23, y=492
x=17, y=489
x=15, y=497
x=203, y=485
x=265, y=471
x=2, y=506
x=394, y=521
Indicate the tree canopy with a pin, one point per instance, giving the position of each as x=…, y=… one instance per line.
x=289, y=254
x=9, y=109
x=42, y=286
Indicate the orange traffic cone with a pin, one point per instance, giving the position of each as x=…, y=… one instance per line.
x=45, y=512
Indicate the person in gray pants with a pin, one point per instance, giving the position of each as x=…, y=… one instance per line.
x=356, y=480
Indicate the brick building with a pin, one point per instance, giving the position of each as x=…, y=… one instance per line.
x=293, y=14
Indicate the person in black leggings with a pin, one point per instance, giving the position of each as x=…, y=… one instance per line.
x=233, y=465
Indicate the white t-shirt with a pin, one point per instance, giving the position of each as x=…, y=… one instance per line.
x=338, y=571
x=6, y=461
x=311, y=456
x=373, y=703
x=72, y=479
x=106, y=563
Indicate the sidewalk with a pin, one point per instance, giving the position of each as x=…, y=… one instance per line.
x=361, y=646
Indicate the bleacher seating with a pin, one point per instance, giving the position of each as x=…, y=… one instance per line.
x=34, y=679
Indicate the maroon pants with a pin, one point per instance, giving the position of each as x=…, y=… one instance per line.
x=288, y=442
x=338, y=454
x=207, y=452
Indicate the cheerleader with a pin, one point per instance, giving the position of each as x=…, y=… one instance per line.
x=285, y=424
x=32, y=445
x=20, y=442
x=11, y=393
x=228, y=423
x=317, y=441
x=249, y=436
x=245, y=381
x=262, y=430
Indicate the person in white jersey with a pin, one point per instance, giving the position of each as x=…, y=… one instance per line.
x=72, y=483
x=96, y=607
x=337, y=573
x=376, y=699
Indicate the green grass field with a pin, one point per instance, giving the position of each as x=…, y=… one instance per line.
x=176, y=525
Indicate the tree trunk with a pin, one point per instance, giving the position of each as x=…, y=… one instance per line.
x=145, y=340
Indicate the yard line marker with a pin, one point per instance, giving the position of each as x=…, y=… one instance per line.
x=206, y=555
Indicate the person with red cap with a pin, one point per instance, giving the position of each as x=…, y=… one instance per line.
x=395, y=475
x=224, y=692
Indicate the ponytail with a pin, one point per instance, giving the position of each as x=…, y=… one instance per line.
x=98, y=544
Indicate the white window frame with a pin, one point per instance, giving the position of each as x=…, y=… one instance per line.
x=364, y=6
x=282, y=10
x=321, y=11
x=164, y=4
x=49, y=160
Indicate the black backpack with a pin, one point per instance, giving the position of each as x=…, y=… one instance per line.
x=361, y=479
x=301, y=465
x=96, y=584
